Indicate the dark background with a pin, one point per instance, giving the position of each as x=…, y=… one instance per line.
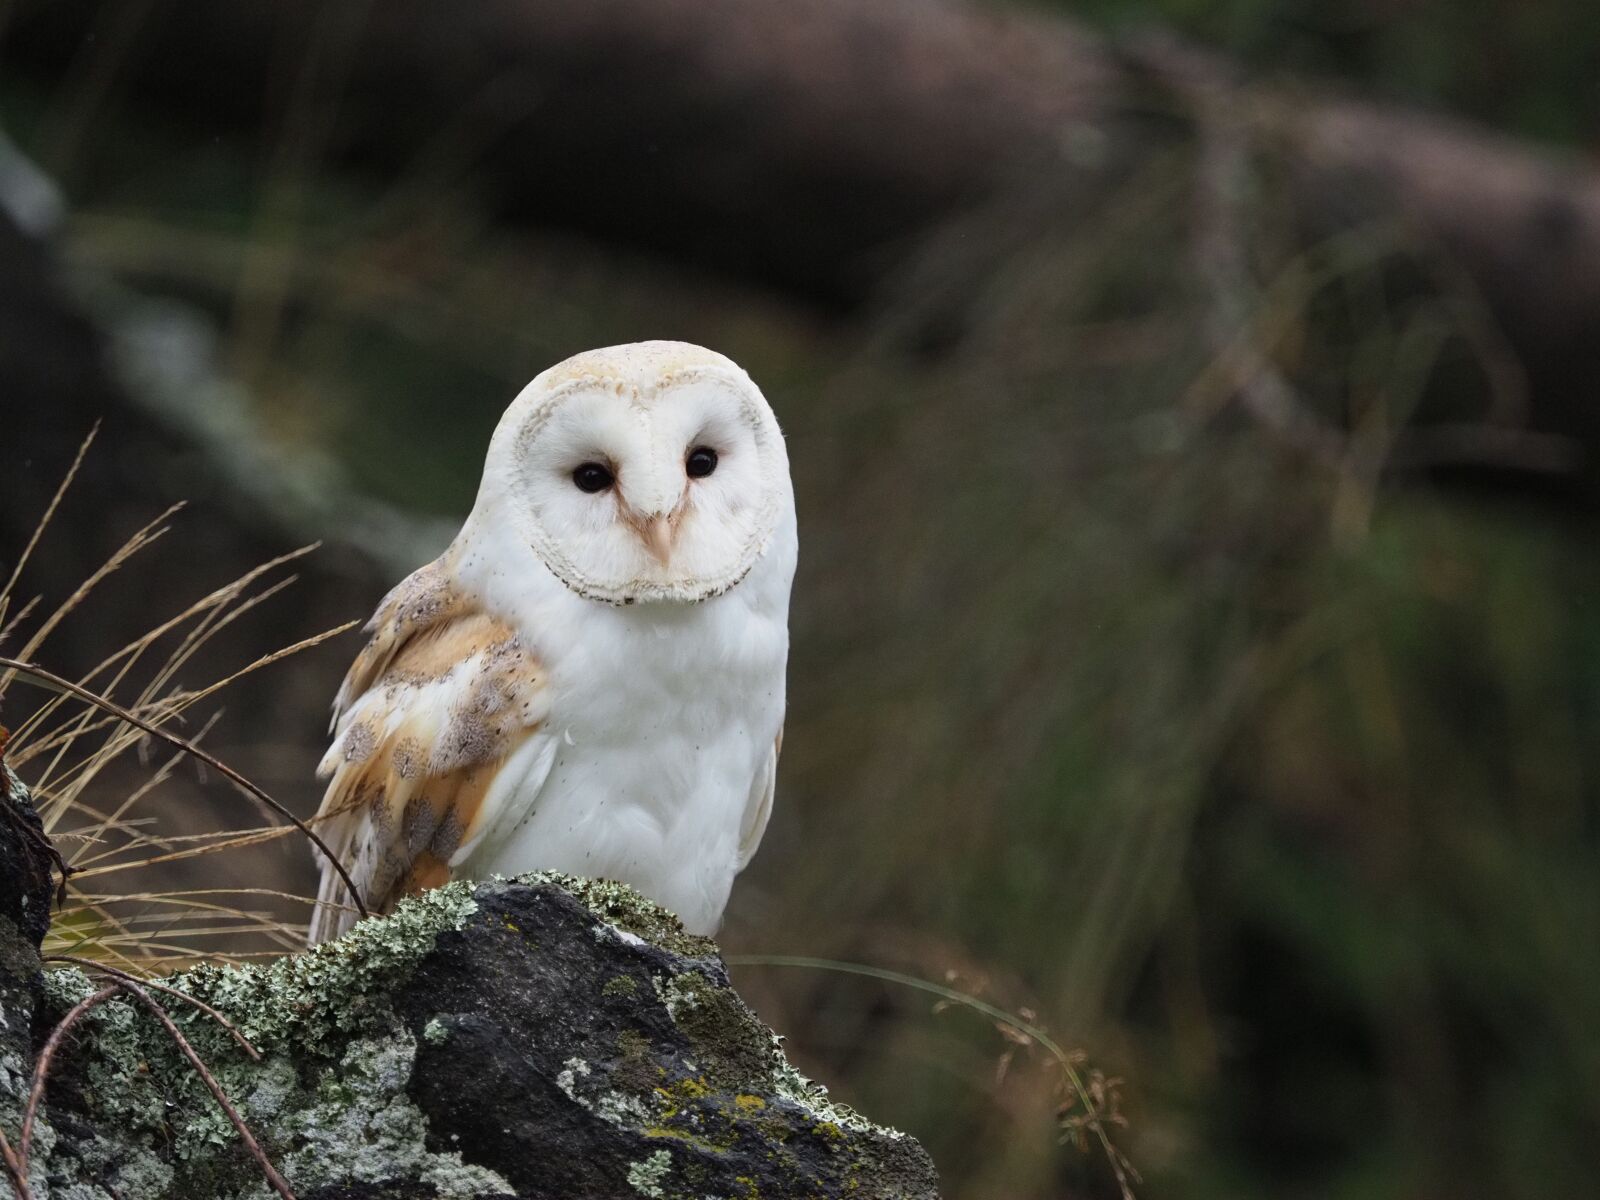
x=1193, y=413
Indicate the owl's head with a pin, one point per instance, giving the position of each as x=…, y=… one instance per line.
x=647, y=472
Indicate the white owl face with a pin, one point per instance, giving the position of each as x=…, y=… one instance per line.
x=650, y=472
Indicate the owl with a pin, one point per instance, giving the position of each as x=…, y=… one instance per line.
x=591, y=678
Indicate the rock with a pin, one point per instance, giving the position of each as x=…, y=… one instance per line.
x=26, y=886
x=545, y=1037
x=26, y=882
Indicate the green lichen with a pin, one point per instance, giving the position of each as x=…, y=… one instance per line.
x=118, y=1075
x=13, y=1088
x=63, y=987
x=813, y=1098
x=143, y=1174
x=689, y=1111
x=567, y=1078
x=615, y=1107
x=724, y=1032
x=622, y=1110
x=744, y=1053
x=15, y=790
x=78, y=1191
x=622, y=908
x=329, y=1102
x=358, y=1126
x=680, y=993
x=316, y=999
x=742, y=1091
x=646, y=1177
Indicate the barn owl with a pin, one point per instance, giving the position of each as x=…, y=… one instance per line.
x=591, y=677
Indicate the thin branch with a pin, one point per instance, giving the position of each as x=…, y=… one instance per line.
x=19, y=1177
x=279, y=1184
x=56, y=681
x=127, y=985
x=41, y=1068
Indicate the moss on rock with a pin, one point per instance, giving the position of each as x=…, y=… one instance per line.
x=529, y=1037
x=312, y=1001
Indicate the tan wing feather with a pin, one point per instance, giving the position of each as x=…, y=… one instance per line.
x=440, y=697
x=426, y=599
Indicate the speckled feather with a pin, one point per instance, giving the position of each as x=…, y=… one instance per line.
x=439, y=698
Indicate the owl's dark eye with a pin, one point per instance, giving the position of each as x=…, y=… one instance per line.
x=701, y=462
x=592, y=477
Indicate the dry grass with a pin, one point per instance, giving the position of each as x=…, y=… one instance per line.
x=1090, y=1108
x=80, y=742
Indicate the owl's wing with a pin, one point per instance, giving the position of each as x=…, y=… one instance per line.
x=440, y=698
x=759, y=809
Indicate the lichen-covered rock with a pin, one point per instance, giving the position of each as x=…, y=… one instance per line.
x=545, y=1037
x=25, y=888
x=26, y=882
x=618, y=1061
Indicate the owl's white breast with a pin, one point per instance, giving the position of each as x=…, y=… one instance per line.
x=662, y=717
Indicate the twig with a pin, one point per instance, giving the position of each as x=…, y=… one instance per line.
x=19, y=1177
x=211, y=760
x=41, y=1069
x=279, y=1184
x=129, y=986
x=117, y=973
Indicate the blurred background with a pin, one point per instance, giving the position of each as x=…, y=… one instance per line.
x=1195, y=414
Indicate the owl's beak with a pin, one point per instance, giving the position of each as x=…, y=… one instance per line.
x=658, y=533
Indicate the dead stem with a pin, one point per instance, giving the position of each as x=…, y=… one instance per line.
x=52, y=679
x=142, y=538
x=266, y=834
x=49, y=512
x=128, y=985
x=205, y=607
